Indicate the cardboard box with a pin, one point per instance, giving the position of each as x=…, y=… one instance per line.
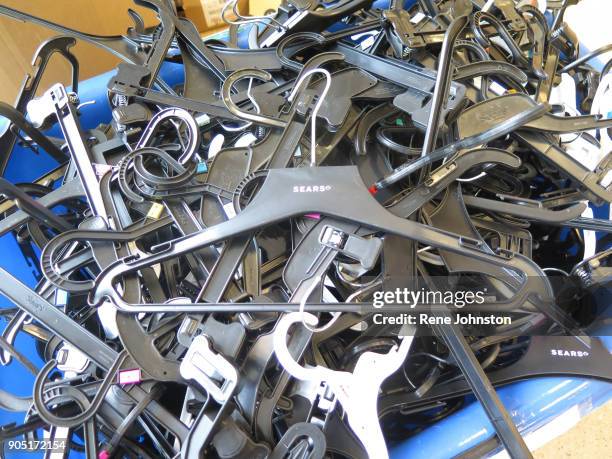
x=192, y=10
x=212, y=11
x=259, y=7
x=19, y=40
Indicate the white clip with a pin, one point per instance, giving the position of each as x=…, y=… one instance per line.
x=71, y=360
x=357, y=392
x=209, y=369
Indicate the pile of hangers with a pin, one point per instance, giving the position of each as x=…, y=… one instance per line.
x=210, y=258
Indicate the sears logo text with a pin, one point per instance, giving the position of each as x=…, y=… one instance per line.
x=566, y=353
x=311, y=188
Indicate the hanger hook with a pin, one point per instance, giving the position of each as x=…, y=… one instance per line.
x=235, y=110
x=307, y=323
x=313, y=117
x=246, y=19
x=88, y=412
x=247, y=123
